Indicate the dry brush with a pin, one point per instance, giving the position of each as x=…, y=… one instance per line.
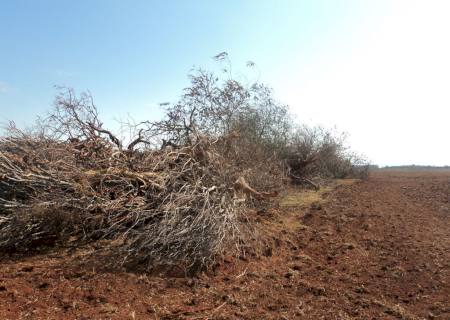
x=169, y=195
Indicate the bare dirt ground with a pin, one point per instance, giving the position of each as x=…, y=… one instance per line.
x=377, y=249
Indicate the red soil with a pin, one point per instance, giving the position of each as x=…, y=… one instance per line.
x=378, y=249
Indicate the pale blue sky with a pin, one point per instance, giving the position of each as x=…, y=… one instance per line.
x=330, y=60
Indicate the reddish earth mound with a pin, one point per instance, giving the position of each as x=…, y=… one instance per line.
x=378, y=249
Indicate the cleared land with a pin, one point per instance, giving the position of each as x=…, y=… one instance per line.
x=377, y=249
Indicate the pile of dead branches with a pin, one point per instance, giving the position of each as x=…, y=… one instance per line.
x=71, y=180
x=168, y=206
x=173, y=191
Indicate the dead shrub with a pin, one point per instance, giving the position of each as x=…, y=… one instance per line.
x=318, y=152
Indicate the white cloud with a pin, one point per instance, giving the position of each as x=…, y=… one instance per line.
x=390, y=89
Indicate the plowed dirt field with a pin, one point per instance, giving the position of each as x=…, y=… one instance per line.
x=375, y=249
